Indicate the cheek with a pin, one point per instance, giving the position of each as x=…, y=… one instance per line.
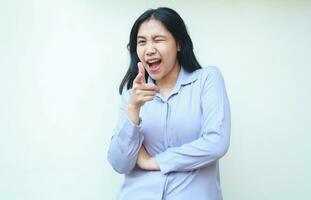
x=170, y=57
x=139, y=52
x=169, y=52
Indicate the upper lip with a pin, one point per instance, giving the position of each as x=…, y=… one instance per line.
x=151, y=60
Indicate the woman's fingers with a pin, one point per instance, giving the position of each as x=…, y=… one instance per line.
x=142, y=91
x=148, y=86
x=141, y=71
x=138, y=79
x=145, y=93
x=148, y=98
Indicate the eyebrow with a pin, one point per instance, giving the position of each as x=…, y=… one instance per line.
x=140, y=37
x=159, y=36
x=156, y=36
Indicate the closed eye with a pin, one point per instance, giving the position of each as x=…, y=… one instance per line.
x=159, y=40
x=141, y=42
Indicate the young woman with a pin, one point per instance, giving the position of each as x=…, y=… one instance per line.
x=174, y=121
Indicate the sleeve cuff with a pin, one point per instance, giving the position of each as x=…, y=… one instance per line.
x=163, y=163
x=129, y=129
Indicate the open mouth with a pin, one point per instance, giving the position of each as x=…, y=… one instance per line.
x=154, y=64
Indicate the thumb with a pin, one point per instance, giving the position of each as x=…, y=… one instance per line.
x=141, y=70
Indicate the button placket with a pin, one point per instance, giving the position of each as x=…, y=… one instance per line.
x=166, y=124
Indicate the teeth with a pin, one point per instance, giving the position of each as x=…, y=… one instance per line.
x=153, y=60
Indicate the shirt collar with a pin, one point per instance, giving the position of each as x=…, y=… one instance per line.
x=183, y=78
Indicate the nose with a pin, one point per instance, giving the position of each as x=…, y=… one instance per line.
x=150, y=49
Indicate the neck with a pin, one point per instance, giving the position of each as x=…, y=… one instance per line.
x=169, y=81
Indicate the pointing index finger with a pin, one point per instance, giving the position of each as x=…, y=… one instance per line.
x=141, y=70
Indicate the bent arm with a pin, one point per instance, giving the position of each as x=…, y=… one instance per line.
x=214, y=138
x=125, y=142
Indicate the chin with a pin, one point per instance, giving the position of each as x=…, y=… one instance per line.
x=155, y=77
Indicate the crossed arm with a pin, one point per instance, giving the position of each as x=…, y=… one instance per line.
x=146, y=162
x=127, y=149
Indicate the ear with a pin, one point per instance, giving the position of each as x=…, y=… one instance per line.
x=178, y=47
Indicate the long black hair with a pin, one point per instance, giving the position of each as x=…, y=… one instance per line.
x=176, y=26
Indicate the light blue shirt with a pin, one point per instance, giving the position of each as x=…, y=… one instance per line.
x=187, y=133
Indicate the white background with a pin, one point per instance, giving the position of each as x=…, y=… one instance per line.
x=61, y=63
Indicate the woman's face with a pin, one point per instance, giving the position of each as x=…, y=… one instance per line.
x=157, y=50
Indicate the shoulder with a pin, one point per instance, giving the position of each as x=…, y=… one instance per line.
x=209, y=73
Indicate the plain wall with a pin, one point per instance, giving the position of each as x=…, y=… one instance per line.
x=61, y=63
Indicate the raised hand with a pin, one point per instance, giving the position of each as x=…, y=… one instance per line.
x=141, y=93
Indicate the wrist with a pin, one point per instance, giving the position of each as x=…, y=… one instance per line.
x=131, y=107
x=133, y=112
x=152, y=164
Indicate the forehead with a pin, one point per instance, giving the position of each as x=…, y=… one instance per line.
x=152, y=27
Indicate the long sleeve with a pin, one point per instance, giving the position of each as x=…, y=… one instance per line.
x=125, y=142
x=214, y=137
